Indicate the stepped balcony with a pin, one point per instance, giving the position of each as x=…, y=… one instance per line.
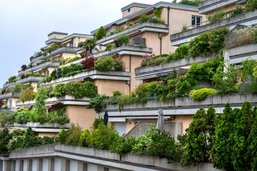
x=144, y=27
x=248, y=18
x=56, y=52
x=165, y=69
x=9, y=95
x=41, y=66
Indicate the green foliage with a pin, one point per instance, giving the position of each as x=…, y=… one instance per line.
x=69, y=60
x=101, y=33
x=53, y=47
x=190, y=2
x=197, y=142
x=85, y=138
x=22, y=116
x=217, y=16
x=97, y=103
x=27, y=94
x=208, y=43
x=66, y=71
x=108, y=64
x=225, y=82
x=29, y=139
x=80, y=90
x=123, y=145
x=143, y=18
x=88, y=45
x=4, y=140
x=76, y=89
x=203, y=93
x=12, y=79
x=6, y=118
x=71, y=136
x=156, y=143
x=156, y=60
x=103, y=137
x=251, y=5
x=237, y=11
x=121, y=40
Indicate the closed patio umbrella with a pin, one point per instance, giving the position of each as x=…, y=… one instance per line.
x=106, y=118
x=160, y=121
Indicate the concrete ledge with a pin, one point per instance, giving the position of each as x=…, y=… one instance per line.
x=103, y=157
x=239, y=54
x=149, y=72
x=249, y=18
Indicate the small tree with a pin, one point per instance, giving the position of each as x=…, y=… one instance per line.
x=101, y=33
x=27, y=94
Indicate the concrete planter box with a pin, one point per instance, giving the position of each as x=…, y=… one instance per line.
x=239, y=54
x=38, y=125
x=104, y=157
x=166, y=68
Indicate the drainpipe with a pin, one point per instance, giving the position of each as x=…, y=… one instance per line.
x=160, y=37
x=129, y=82
x=168, y=17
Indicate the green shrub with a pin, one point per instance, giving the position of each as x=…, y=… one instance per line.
x=143, y=18
x=101, y=33
x=251, y=5
x=85, y=138
x=202, y=93
x=97, y=103
x=108, y=64
x=217, y=16
x=22, y=116
x=6, y=118
x=103, y=137
x=121, y=40
x=237, y=11
x=70, y=136
x=59, y=90
x=123, y=145
x=156, y=60
x=27, y=94
x=5, y=137
x=69, y=60
x=80, y=90
x=12, y=79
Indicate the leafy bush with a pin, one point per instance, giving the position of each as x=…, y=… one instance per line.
x=6, y=118
x=12, y=79
x=80, y=90
x=27, y=94
x=156, y=60
x=143, y=18
x=101, y=33
x=89, y=63
x=190, y=2
x=108, y=64
x=208, y=43
x=85, y=138
x=237, y=11
x=196, y=143
x=103, y=137
x=123, y=145
x=121, y=40
x=59, y=90
x=71, y=136
x=201, y=94
x=4, y=140
x=97, y=103
x=66, y=71
x=69, y=60
x=251, y=5
x=217, y=16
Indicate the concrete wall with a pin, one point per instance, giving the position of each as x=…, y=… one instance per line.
x=81, y=115
x=107, y=87
x=132, y=10
x=69, y=158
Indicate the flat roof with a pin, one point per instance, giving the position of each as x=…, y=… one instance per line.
x=150, y=8
x=134, y=4
x=56, y=32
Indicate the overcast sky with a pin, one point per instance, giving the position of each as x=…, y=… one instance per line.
x=24, y=25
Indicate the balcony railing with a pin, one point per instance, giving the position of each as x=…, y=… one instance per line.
x=30, y=79
x=179, y=106
x=249, y=18
x=9, y=95
x=165, y=69
x=66, y=100
x=7, y=85
x=116, y=75
x=160, y=28
x=56, y=52
x=126, y=50
x=239, y=54
x=41, y=66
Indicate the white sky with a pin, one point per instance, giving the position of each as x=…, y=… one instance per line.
x=24, y=25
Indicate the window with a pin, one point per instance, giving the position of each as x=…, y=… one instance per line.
x=129, y=10
x=196, y=20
